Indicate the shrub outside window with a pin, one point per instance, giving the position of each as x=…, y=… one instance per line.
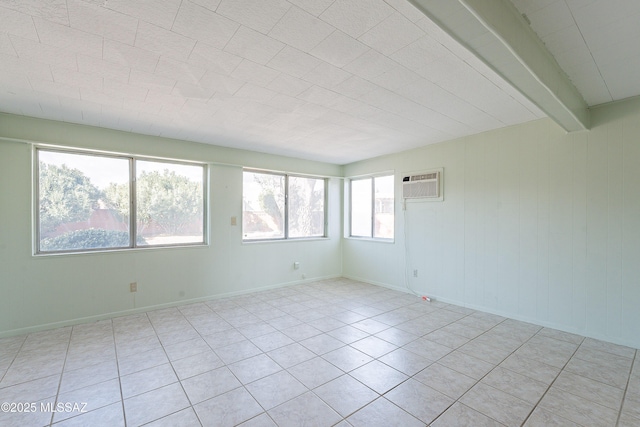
x=372, y=207
x=89, y=202
x=282, y=206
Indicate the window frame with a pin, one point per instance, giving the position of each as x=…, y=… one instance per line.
x=133, y=225
x=373, y=206
x=286, y=237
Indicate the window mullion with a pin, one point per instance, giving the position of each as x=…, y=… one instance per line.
x=373, y=207
x=286, y=206
x=132, y=204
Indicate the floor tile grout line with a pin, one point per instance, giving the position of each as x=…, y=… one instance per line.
x=115, y=350
x=552, y=383
x=64, y=363
x=307, y=321
x=626, y=388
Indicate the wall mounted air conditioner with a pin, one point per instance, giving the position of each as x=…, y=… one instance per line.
x=425, y=185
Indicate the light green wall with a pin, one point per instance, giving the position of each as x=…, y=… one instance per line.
x=536, y=224
x=47, y=291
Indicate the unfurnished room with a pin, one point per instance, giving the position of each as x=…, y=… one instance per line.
x=319, y=213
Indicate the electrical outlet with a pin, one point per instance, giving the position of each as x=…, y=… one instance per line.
x=234, y=220
x=296, y=265
x=415, y=273
x=133, y=287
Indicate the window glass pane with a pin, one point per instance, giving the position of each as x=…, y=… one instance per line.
x=306, y=207
x=384, y=207
x=262, y=206
x=170, y=204
x=361, y=207
x=78, y=205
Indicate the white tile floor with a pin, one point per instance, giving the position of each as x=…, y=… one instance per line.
x=335, y=352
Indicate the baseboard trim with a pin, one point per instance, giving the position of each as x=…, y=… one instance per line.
x=111, y=315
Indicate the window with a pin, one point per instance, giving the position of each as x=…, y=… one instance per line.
x=282, y=206
x=372, y=207
x=88, y=202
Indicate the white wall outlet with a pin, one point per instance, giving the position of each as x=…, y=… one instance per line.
x=415, y=273
x=296, y=265
x=133, y=287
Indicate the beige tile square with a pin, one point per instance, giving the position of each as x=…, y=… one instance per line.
x=541, y=418
x=272, y=341
x=531, y=368
x=147, y=380
x=405, y=361
x=254, y=368
x=275, y=389
x=107, y=416
x=155, y=404
x=382, y=413
x=321, y=344
x=445, y=380
x=497, y=405
x=291, y=355
x=378, y=376
x=421, y=401
x=210, y=384
x=228, y=409
x=374, y=347
x=577, y=409
x=95, y=396
x=345, y=395
x=197, y=364
x=238, y=351
x=315, y=372
x=515, y=384
x=304, y=410
x=466, y=364
x=592, y=390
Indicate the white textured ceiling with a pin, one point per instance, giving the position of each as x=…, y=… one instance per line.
x=596, y=42
x=336, y=81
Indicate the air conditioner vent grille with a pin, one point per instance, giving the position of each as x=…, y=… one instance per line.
x=425, y=185
x=433, y=175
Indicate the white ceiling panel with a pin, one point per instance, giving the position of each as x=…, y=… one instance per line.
x=164, y=42
x=339, y=49
x=392, y=34
x=106, y=69
x=211, y=58
x=314, y=7
x=43, y=54
x=101, y=21
x=152, y=81
x=260, y=15
x=199, y=23
x=52, y=10
x=326, y=75
x=129, y=56
x=178, y=70
x=356, y=17
x=300, y=29
x=293, y=61
x=250, y=44
x=332, y=80
x=288, y=85
x=371, y=64
x=6, y=48
x=17, y=23
x=251, y=72
x=160, y=13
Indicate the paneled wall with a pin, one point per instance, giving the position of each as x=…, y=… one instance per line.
x=536, y=224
